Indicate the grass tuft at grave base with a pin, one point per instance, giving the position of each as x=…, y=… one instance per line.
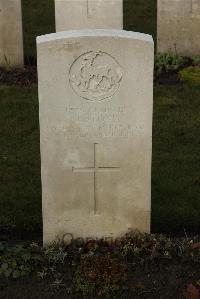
x=134, y=266
x=175, y=161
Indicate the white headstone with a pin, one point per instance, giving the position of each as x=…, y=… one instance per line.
x=11, y=36
x=178, y=27
x=88, y=14
x=95, y=99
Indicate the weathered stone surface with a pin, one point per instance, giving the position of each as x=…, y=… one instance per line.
x=88, y=14
x=179, y=26
x=11, y=36
x=95, y=98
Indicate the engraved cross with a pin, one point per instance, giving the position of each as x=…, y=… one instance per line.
x=95, y=169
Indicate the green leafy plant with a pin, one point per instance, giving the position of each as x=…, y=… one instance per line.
x=55, y=254
x=17, y=261
x=196, y=60
x=190, y=74
x=168, y=62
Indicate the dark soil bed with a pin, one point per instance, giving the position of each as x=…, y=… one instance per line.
x=28, y=76
x=167, y=78
x=22, y=77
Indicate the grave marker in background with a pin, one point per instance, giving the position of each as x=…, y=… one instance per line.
x=95, y=98
x=88, y=14
x=11, y=36
x=179, y=26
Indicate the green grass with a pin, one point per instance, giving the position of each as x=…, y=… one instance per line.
x=20, y=188
x=38, y=18
x=176, y=144
x=176, y=159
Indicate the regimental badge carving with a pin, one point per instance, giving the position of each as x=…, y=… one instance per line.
x=95, y=75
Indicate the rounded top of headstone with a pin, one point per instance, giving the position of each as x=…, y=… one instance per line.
x=95, y=33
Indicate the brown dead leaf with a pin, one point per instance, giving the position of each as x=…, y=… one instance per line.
x=195, y=245
x=192, y=292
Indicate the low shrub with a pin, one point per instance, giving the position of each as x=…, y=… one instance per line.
x=168, y=62
x=190, y=74
x=196, y=60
